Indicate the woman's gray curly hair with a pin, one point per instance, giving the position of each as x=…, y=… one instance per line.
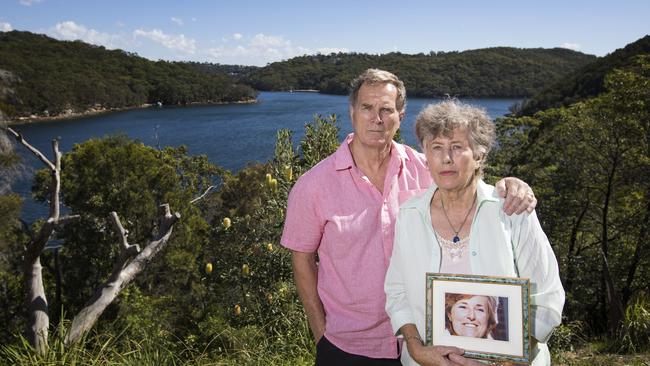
x=441, y=119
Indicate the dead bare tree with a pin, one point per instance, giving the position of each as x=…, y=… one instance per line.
x=124, y=271
x=38, y=323
x=130, y=262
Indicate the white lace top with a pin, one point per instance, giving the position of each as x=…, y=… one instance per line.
x=455, y=258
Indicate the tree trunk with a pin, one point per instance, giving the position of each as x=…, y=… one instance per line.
x=38, y=318
x=638, y=252
x=58, y=282
x=122, y=275
x=39, y=321
x=615, y=311
x=575, y=229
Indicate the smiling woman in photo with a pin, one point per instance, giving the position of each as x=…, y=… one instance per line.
x=471, y=315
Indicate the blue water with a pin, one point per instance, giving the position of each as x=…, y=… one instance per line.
x=230, y=135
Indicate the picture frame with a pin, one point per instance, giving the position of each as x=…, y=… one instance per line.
x=488, y=317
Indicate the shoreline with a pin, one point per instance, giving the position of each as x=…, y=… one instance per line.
x=101, y=111
x=304, y=91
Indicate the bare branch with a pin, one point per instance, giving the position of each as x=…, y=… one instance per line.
x=35, y=151
x=126, y=250
x=122, y=275
x=167, y=220
x=66, y=219
x=203, y=195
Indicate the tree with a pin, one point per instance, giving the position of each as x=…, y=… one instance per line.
x=11, y=241
x=130, y=262
x=590, y=164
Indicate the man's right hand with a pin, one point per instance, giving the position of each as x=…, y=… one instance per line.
x=305, y=274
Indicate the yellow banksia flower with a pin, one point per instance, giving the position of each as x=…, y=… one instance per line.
x=208, y=268
x=269, y=247
x=268, y=179
x=226, y=222
x=237, y=310
x=245, y=270
x=288, y=173
x=274, y=185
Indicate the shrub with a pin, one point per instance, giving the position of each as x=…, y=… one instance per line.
x=568, y=337
x=634, y=334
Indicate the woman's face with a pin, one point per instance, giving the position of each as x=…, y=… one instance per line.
x=469, y=317
x=451, y=160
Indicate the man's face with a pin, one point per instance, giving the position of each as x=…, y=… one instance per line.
x=375, y=118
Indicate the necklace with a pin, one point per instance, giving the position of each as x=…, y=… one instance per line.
x=455, y=250
x=456, y=239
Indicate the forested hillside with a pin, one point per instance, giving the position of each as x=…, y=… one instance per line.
x=490, y=72
x=46, y=77
x=43, y=76
x=587, y=81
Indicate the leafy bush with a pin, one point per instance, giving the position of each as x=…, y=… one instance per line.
x=634, y=334
x=568, y=337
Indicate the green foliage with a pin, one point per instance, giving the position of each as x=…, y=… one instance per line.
x=251, y=306
x=245, y=310
x=585, y=82
x=634, y=335
x=321, y=140
x=490, y=72
x=51, y=77
x=11, y=243
x=568, y=337
x=590, y=164
x=122, y=175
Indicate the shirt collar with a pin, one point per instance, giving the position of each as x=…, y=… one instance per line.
x=343, y=156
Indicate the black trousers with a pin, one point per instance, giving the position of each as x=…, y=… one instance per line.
x=328, y=354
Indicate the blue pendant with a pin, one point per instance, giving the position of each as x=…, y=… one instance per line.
x=456, y=239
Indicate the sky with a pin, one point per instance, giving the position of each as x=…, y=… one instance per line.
x=258, y=32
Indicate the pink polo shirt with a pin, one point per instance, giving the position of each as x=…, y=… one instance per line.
x=335, y=210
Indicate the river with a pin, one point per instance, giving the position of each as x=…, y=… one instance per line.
x=230, y=135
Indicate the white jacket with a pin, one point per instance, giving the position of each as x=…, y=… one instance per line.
x=500, y=245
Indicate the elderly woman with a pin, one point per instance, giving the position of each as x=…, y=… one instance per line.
x=458, y=227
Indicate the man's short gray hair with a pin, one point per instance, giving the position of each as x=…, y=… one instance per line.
x=373, y=76
x=441, y=119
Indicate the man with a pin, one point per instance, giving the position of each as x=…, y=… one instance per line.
x=344, y=209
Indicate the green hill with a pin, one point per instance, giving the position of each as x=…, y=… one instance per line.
x=585, y=82
x=490, y=72
x=46, y=77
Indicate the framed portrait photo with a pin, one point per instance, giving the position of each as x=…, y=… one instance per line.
x=486, y=316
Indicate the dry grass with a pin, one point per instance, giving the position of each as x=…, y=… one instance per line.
x=590, y=356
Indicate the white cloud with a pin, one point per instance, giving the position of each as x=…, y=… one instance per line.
x=178, y=21
x=571, y=46
x=260, y=50
x=5, y=27
x=120, y=24
x=262, y=41
x=70, y=31
x=173, y=42
x=29, y=2
x=328, y=50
